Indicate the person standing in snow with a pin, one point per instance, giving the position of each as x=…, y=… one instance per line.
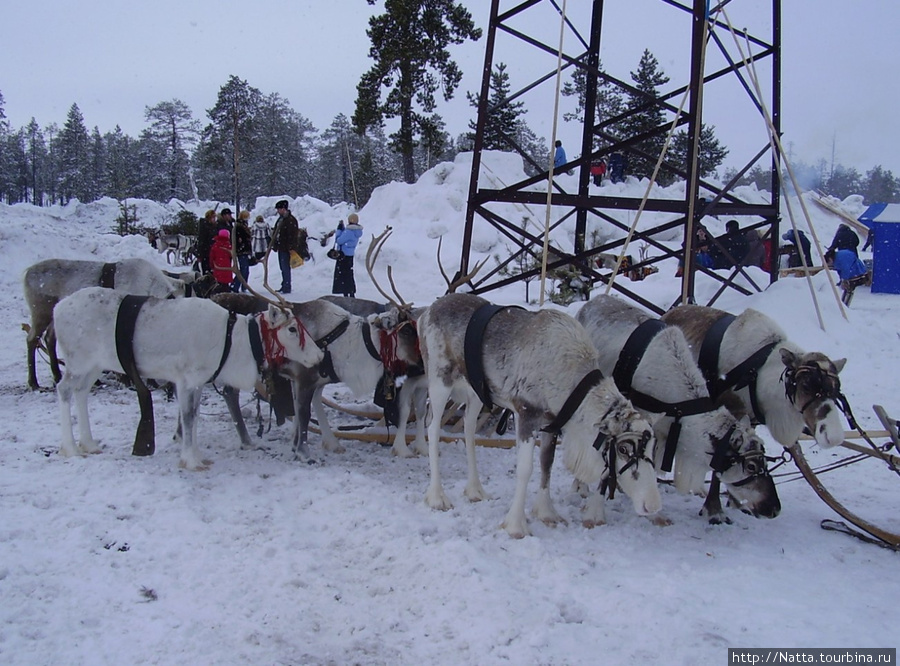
x=242, y=248
x=795, y=261
x=346, y=239
x=206, y=234
x=261, y=237
x=845, y=239
x=284, y=240
x=220, y=260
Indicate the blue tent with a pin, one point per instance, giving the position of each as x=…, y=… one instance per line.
x=884, y=221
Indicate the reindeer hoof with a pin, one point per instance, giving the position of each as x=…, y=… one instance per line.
x=660, y=521
x=719, y=519
x=592, y=523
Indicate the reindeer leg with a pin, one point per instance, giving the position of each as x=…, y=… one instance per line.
x=399, y=448
x=189, y=405
x=474, y=492
x=420, y=397
x=67, y=446
x=145, y=437
x=434, y=496
x=329, y=441
x=515, y=523
x=594, y=510
x=300, y=434
x=543, y=508
x=32, y=352
x=233, y=401
x=51, y=352
x=712, y=507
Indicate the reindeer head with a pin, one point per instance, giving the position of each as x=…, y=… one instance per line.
x=285, y=337
x=812, y=385
x=739, y=460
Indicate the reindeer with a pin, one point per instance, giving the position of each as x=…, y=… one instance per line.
x=189, y=343
x=174, y=245
x=653, y=366
x=543, y=367
x=353, y=355
x=750, y=359
x=49, y=281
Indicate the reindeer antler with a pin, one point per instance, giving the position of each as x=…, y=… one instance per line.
x=281, y=302
x=371, y=257
x=458, y=282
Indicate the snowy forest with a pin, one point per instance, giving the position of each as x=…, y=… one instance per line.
x=254, y=143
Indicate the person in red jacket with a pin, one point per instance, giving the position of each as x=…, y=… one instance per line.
x=220, y=259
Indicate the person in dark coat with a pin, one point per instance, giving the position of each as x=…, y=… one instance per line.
x=284, y=240
x=206, y=234
x=226, y=220
x=243, y=240
x=794, y=261
x=845, y=239
x=346, y=239
x=734, y=243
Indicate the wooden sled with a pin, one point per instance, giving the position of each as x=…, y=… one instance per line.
x=878, y=536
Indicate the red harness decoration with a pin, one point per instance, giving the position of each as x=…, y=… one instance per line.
x=273, y=349
x=394, y=365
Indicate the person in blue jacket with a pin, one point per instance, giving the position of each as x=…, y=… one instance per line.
x=346, y=238
x=846, y=263
x=559, y=157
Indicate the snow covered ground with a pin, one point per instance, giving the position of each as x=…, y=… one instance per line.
x=116, y=559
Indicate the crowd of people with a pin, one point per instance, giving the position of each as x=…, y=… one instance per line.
x=219, y=232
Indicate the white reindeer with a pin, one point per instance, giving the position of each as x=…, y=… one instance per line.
x=542, y=366
x=654, y=367
x=181, y=341
x=49, y=281
x=777, y=383
x=348, y=358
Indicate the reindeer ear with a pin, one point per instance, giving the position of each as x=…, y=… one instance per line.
x=745, y=421
x=789, y=358
x=275, y=316
x=839, y=364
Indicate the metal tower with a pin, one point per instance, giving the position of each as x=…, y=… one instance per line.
x=725, y=70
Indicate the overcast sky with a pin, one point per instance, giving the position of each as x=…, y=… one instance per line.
x=114, y=58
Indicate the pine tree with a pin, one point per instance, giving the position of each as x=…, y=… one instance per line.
x=503, y=115
x=284, y=145
x=121, y=165
x=609, y=103
x=505, y=127
x=35, y=160
x=647, y=116
x=231, y=129
x=411, y=61
x=172, y=125
x=710, y=154
x=73, y=158
x=880, y=186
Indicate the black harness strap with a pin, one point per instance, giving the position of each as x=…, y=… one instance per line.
x=589, y=381
x=474, y=348
x=623, y=374
x=256, y=345
x=633, y=351
x=743, y=374
x=709, y=354
x=229, y=329
x=126, y=318
x=370, y=346
x=108, y=277
x=326, y=367
x=335, y=333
